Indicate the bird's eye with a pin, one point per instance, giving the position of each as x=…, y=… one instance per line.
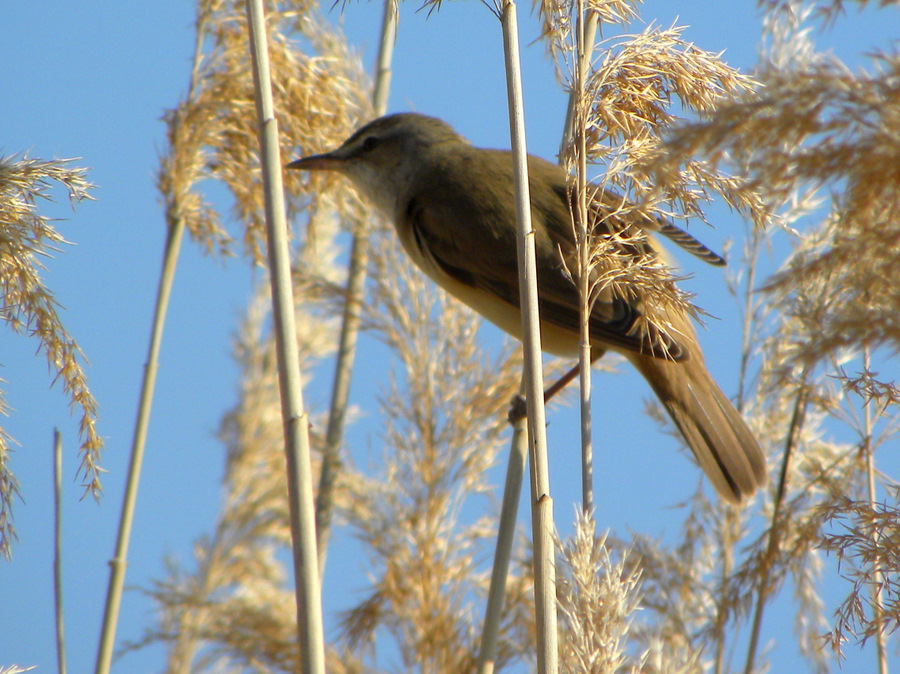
x=369, y=144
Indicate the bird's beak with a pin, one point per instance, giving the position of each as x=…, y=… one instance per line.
x=317, y=162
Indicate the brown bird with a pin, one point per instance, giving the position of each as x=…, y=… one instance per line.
x=452, y=205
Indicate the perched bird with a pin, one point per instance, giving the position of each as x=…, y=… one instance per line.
x=452, y=205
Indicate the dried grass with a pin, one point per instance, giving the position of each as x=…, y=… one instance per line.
x=628, y=108
x=597, y=599
x=28, y=306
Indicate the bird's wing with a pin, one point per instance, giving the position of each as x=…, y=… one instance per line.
x=484, y=257
x=619, y=303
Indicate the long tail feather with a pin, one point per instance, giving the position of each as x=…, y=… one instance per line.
x=690, y=244
x=714, y=430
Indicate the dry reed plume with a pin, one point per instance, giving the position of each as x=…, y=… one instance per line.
x=27, y=306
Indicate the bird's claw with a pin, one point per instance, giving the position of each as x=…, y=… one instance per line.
x=517, y=409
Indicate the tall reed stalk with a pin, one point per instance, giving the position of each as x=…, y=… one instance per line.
x=174, y=233
x=541, y=502
x=311, y=637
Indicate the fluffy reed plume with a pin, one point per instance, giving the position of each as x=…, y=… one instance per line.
x=212, y=133
x=27, y=306
x=597, y=599
x=625, y=113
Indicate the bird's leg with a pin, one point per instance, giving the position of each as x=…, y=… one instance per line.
x=517, y=409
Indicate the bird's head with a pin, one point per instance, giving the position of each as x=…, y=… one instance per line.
x=383, y=157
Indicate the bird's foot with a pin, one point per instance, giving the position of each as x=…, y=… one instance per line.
x=517, y=409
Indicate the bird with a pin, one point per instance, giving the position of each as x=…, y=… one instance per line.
x=452, y=206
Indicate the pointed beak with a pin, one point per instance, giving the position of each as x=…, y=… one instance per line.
x=317, y=162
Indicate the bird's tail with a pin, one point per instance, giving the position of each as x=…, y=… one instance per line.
x=714, y=430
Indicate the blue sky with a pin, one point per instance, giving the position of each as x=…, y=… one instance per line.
x=92, y=81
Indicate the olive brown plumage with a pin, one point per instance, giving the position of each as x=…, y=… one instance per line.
x=452, y=205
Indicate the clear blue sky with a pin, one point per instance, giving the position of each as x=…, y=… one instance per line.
x=92, y=81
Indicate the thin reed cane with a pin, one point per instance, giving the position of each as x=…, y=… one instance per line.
x=762, y=590
x=57, y=553
x=541, y=504
x=515, y=467
x=877, y=583
x=585, y=31
x=506, y=530
x=174, y=235
x=294, y=417
x=119, y=561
